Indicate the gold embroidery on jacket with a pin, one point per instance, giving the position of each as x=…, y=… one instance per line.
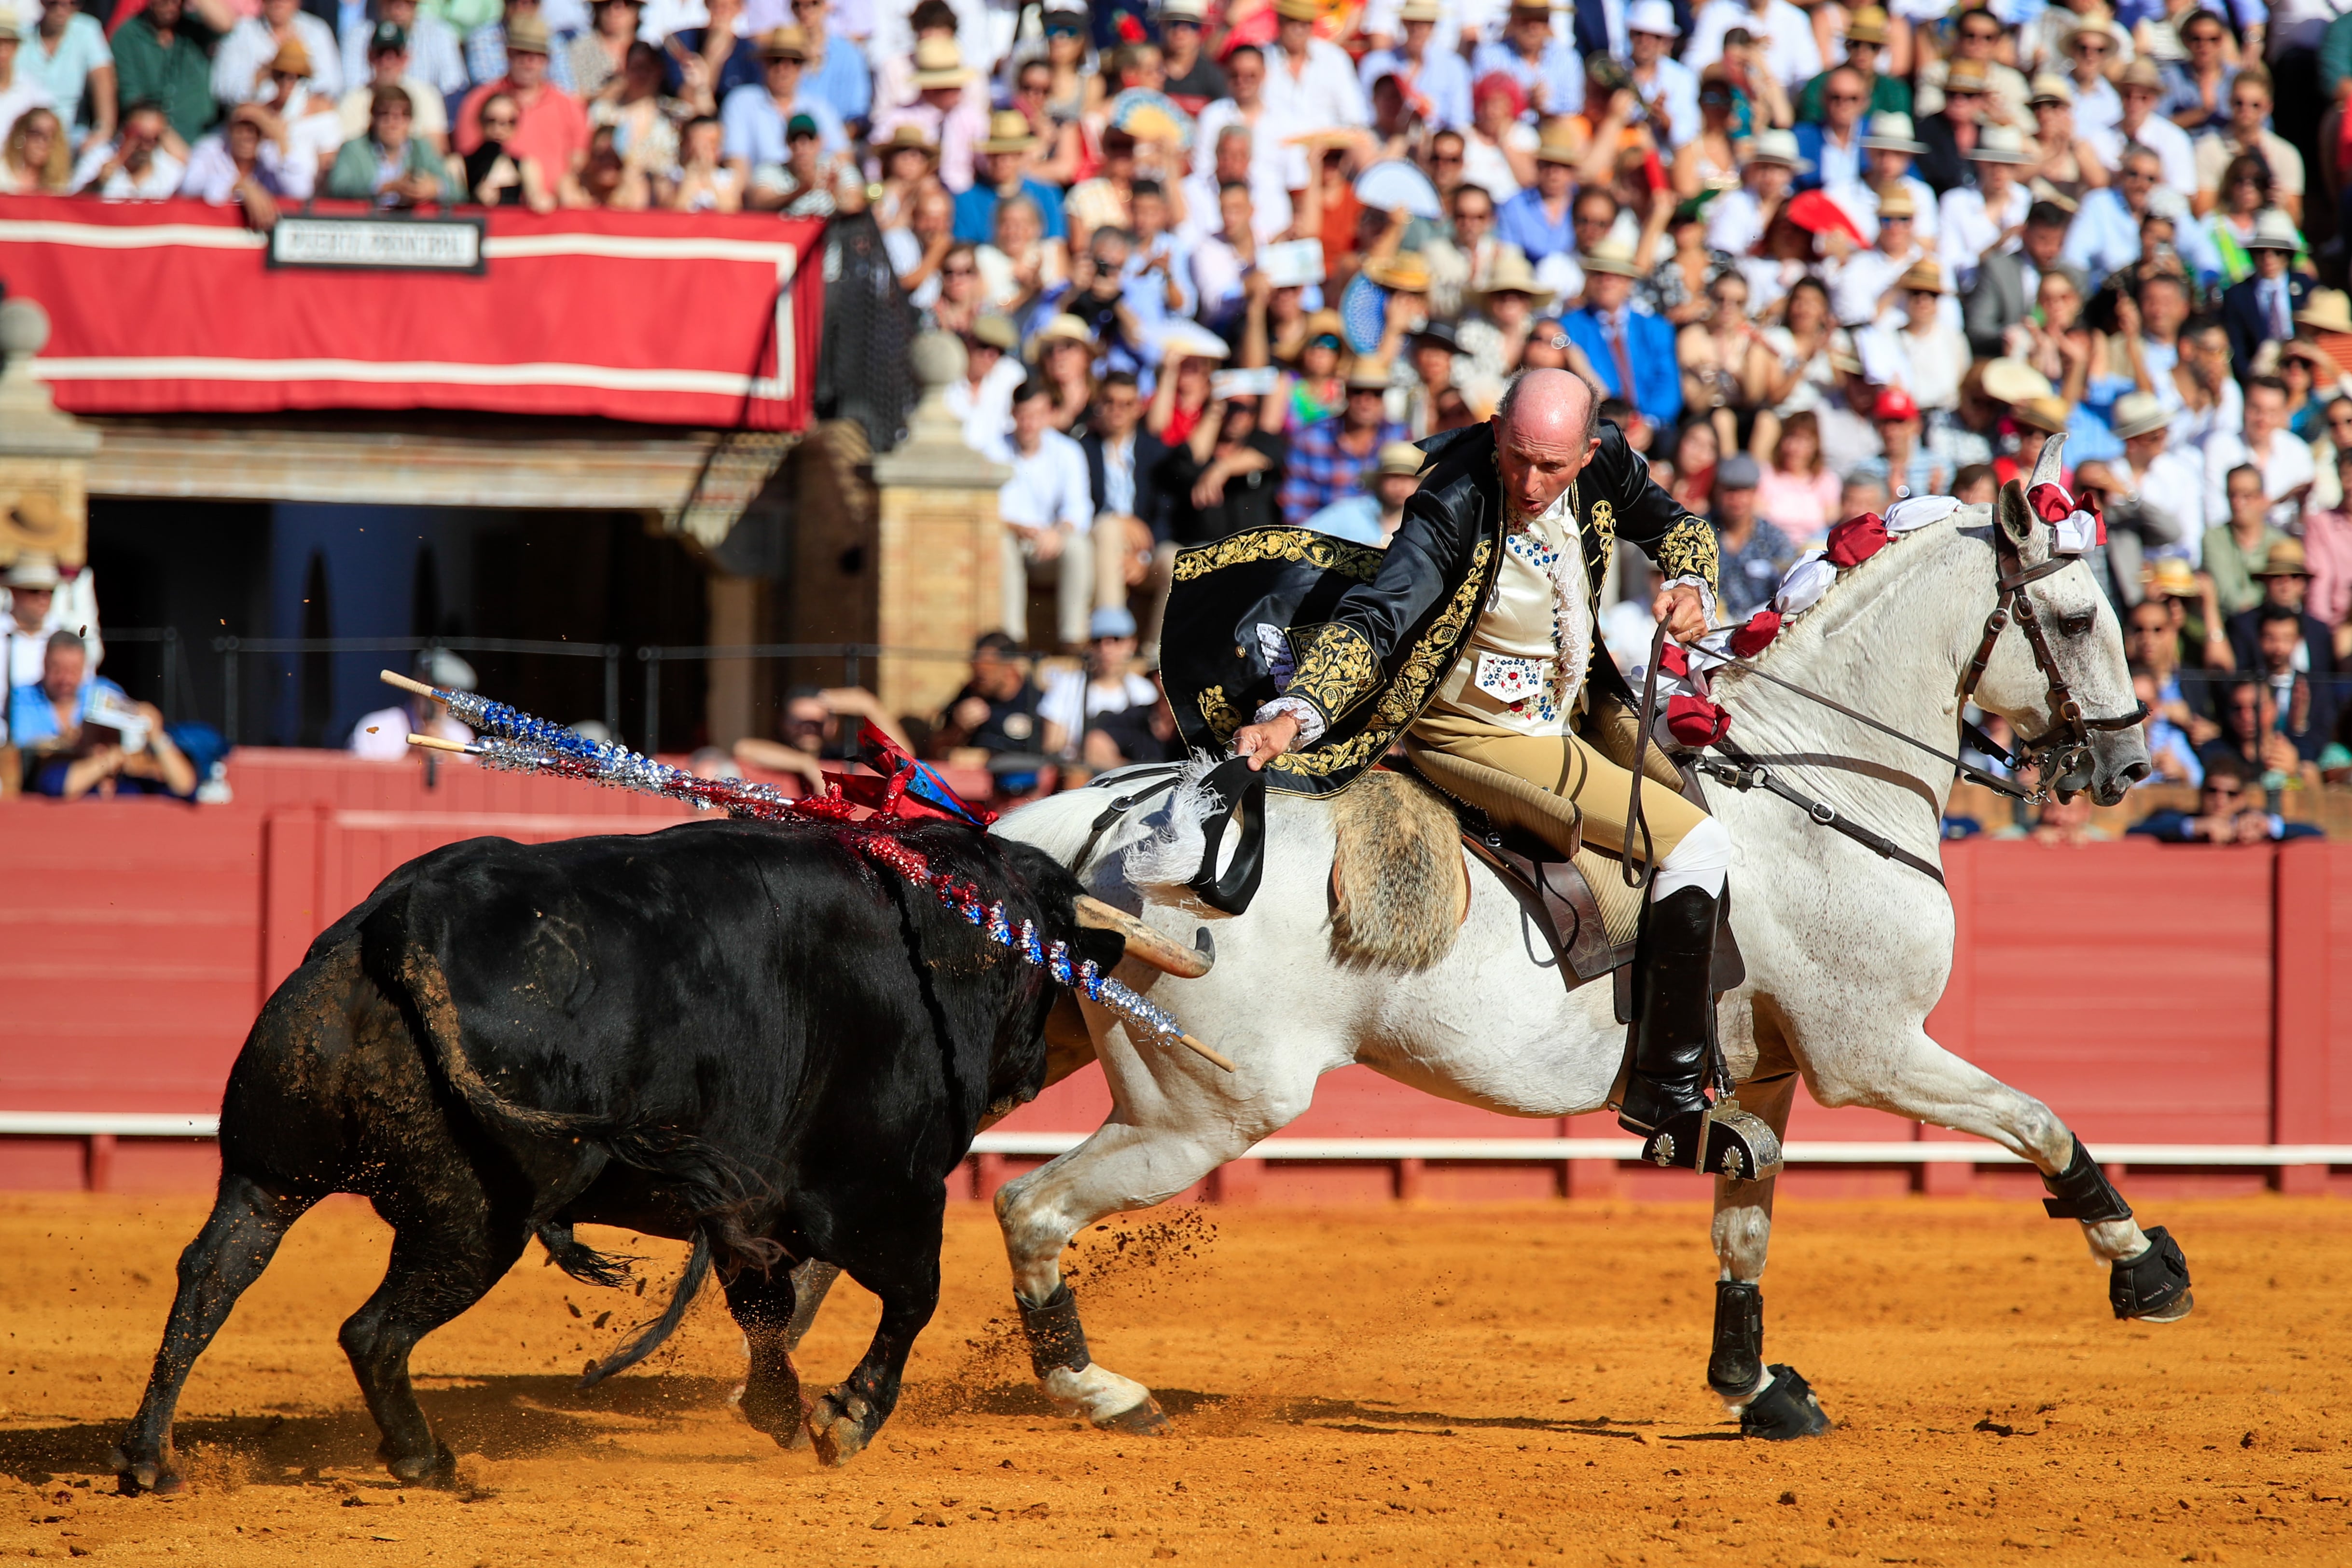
x=1335, y=670
x=1223, y=716
x=1688, y=550
x=1357, y=561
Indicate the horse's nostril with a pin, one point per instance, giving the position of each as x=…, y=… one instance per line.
x=2137, y=771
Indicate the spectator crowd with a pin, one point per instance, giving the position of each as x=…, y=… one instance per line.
x=1215, y=263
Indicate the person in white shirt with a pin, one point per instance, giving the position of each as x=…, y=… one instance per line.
x=1918, y=349
x=1738, y=219
x=2152, y=497
x=1310, y=83
x=1991, y=217
x=2089, y=47
x=135, y=166
x=1047, y=508
x=2142, y=88
x=1232, y=159
x=1783, y=34
x=388, y=66
x=1859, y=285
x=1435, y=81
x=2267, y=445
x=1074, y=697
x=18, y=91
x=241, y=65
x=983, y=400
x=1667, y=87
x=1888, y=146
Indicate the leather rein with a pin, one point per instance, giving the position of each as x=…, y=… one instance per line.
x=2061, y=750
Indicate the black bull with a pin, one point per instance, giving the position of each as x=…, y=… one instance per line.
x=743, y=1034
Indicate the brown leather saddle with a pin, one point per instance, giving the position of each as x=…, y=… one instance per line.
x=1559, y=900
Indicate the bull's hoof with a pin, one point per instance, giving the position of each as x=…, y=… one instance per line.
x=1144, y=1420
x=2152, y=1287
x=1786, y=1410
x=783, y=1416
x=837, y=1426
x=437, y=1468
x=154, y=1475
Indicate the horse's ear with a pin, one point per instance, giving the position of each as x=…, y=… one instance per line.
x=2012, y=515
x=2047, y=468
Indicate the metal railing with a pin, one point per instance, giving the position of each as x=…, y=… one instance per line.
x=851, y=655
x=233, y=650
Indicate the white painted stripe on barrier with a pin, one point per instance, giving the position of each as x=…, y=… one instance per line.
x=1800, y=1151
x=378, y=373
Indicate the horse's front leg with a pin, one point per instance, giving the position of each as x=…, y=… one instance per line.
x=2147, y=1277
x=1772, y=1402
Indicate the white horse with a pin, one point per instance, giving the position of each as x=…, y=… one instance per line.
x=1847, y=952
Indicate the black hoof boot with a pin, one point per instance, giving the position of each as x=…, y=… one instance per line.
x=2153, y=1286
x=1786, y=1410
x=1736, y=1364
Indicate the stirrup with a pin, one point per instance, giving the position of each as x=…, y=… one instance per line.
x=1735, y=1142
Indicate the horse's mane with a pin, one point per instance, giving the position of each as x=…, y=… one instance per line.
x=1860, y=588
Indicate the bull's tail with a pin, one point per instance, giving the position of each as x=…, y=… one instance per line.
x=582, y=1261
x=651, y=1335
x=717, y=1189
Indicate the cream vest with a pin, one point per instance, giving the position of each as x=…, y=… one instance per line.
x=1521, y=666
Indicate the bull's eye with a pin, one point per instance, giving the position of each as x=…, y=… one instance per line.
x=2078, y=625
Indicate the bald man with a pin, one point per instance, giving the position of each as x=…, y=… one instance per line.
x=1472, y=639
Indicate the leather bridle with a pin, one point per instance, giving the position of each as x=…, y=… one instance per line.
x=2062, y=754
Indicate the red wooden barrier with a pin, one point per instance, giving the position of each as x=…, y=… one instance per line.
x=2149, y=993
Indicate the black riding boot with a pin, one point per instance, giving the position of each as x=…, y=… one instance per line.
x=1674, y=1034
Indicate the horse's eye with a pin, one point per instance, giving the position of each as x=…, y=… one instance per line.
x=2079, y=624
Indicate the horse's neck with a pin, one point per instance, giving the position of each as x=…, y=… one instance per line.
x=1889, y=640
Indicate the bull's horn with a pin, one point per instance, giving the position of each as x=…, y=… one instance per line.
x=1163, y=953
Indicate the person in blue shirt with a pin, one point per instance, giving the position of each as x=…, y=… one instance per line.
x=80, y=730
x=1436, y=82
x=1544, y=64
x=836, y=72
x=1630, y=354
x=998, y=172
x=752, y=118
x=1537, y=220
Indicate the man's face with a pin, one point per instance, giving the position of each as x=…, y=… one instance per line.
x=165, y=14
x=2138, y=181
x=2250, y=105
x=804, y=724
x=144, y=130
x=1030, y=417
x=1859, y=496
x=61, y=670
x=2140, y=451
x=1416, y=39
x=391, y=121
x=1862, y=55
x=1293, y=35
x=1593, y=217
x=1895, y=234
x=2043, y=242
x=1963, y=105
x=244, y=139
x=2277, y=641
x=526, y=69
x=995, y=677
x=1734, y=508
x=1888, y=165
x=1769, y=181
x=1117, y=409
x=1245, y=77
x=2246, y=503
x=1232, y=158
x=1607, y=291
x=980, y=359
x=1183, y=38
x=2138, y=99
x=1473, y=217
x=1978, y=33
x=1648, y=48
x=2163, y=307
x=1110, y=259
x=278, y=13
x=1539, y=460
x=784, y=78
x=2288, y=587
x=2147, y=637
x=2092, y=51
x=1396, y=490
x=1366, y=407
x=1842, y=100
x=2265, y=412
x=1553, y=180
x=388, y=66
x=2204, y=41
x=1528, y=29
x=2271, y=262
x=31, y=606
x=1233, y=210
x=1433, y=363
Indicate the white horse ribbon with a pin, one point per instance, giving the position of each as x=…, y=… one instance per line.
x=1918, y=511
x=1806, y=582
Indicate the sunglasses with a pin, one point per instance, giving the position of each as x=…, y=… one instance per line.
x=499, y=122
x=958, y=272
x=1844, y=98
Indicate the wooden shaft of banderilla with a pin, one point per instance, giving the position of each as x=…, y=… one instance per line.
x=417, y=687
x=1199, y=1049
x=434, y=743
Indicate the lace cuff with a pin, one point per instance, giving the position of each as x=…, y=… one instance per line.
x=1706, y=593
x=1311, y=719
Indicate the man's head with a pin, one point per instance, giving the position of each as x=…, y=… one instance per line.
x=1118, y=405
x=1651, y=31
x=63, y=663
x=387, y=53
x=1397, y=475
x=165, y=13
x=996, y=672
x=390, y=115
x=2286, y=578
x=781, y=53
x=1294, y=26
x=2090, y=47
x=1529, y=27
x=1233, y=207
x=2277, y=635
x=1555, y=172
x=2247, y=503
x=1978, y=33
x=2141, y=87
x=1861, y=494
x=2149, y=638
x=2340, y=429
x=2163, y=304
x=1232, y=156
x=1033, y=410
x=1246, y=75
x=1446, y=151
x=1771, y=166
x=2265, y=409
x=2224, y=791
x=143, y=126
x=2045, y=234
x=2137, y=178
x=1736, y=478
x=1843, y=98
x=1474, y=214
x=2250, y=105
x=527, y=51
x=279, y=14
x=1594, y=215
x=1544, y=437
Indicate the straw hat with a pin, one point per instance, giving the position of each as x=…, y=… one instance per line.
x=34, y=569
x=1548, y=150
x=1966, y=76
x=907, y=137
x=1510, y=274
x=1063, y=328
x=2000, y=144
x=1008, y=131
x=1777, y=147
x=1411, y=11
x=293, y=59
x=938, y=63
x=525, y=35
x=1866, y=26
x=2141, y=73
x=2286, y=559
x=2013, y=381
x=2274, y=230
x=1369, y=375
x=1401, y=457
x=784, y=43
x=2171, y=578
x=1405, y=272
x=2043, y=414
x=1297, y=10
x=1925, y=277
x=2051, y=89
x=2330, y=309
x=1892, y=132
x=1324, y=324
x=1895, y=201
x=1612, y=256
x=2137, y=413
x=996, y=332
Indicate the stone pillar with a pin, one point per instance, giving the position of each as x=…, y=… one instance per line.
x=44, y=454
x=941, y=543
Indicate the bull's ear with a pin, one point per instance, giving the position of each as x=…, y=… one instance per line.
x=2012, y=515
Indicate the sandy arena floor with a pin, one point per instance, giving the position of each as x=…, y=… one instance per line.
x=1387, y=1385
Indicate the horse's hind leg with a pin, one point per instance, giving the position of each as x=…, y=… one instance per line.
x=229, y=1253
x=1919, y=1079
x=448, y=1251
x=1772, y=1402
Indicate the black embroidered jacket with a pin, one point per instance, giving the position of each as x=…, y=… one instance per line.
x=1367, y=635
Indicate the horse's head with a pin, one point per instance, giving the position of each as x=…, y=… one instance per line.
x=2077, y=657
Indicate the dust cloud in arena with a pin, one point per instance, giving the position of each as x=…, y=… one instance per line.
x=1455, y=1385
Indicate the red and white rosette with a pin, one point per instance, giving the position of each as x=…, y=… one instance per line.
x=2075, y=526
